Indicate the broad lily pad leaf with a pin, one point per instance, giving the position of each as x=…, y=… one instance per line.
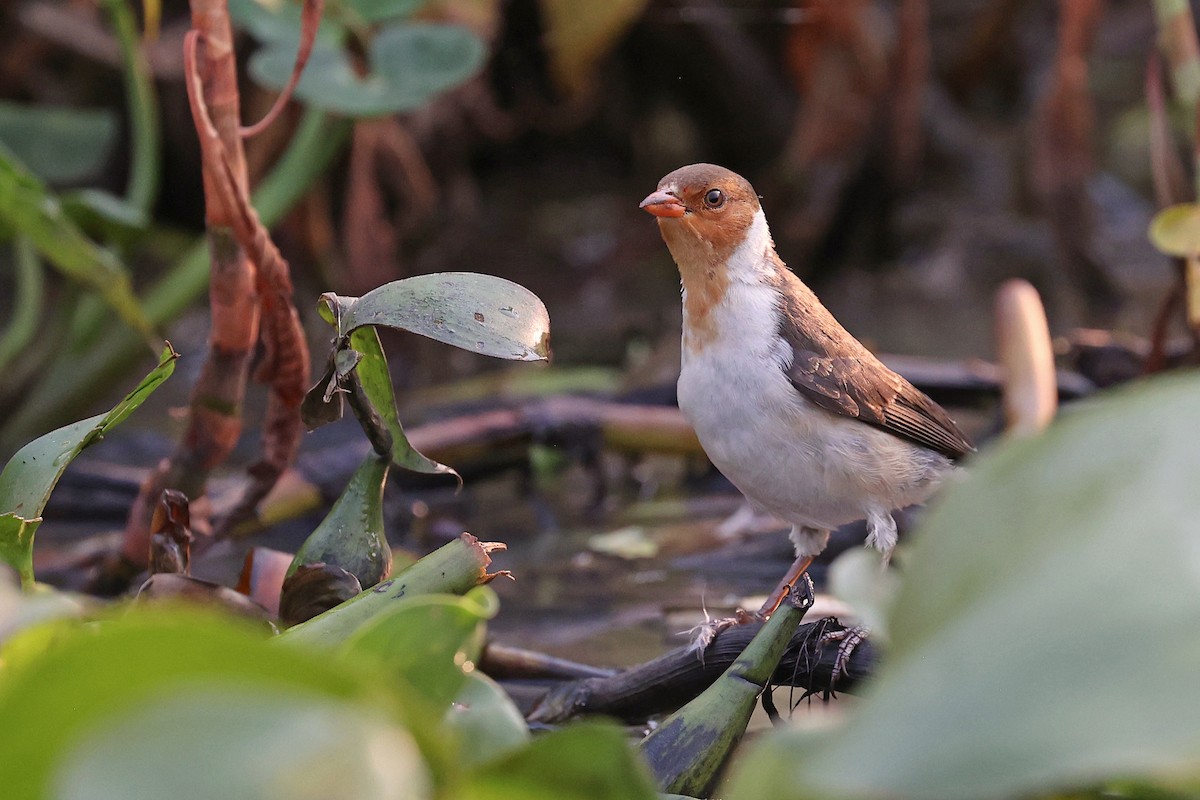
x=279, y=22
x=487, y=723
x=135, y=662
x=31, y=474
x=480, y=313
x=410, y=63
x=429, y=641
x=352, y=534
x=238, y=742
x=588, y=761
x=59, y=145
x=29, y=209
x=1047, y=634
x=380, y=10
x=1176, y=230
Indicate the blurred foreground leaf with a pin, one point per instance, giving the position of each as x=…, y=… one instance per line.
x=59, y=145
x=485, y=721
x=241, y=742
x=1047, y=634
x=428, y=640
x=586, y=761
x=103, y=684
x=31, y=474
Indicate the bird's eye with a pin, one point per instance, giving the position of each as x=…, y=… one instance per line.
x=714, y=198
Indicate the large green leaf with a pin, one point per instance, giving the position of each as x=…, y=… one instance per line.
x=485, y=722
x=60, y=145
x=379, y=10
x=27, y=208
x=31, y=474
x=237, y=742
x=429, y=641
x=119, y=670
x=588, y=761
x=409, y=64
x=480, y=313
x=1047, y=634
x=280, y=23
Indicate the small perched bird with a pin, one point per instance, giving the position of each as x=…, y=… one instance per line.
x=795, y=411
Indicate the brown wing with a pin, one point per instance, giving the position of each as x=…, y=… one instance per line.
x=834, y=371
x=876, y=395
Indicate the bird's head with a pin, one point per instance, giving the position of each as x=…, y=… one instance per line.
x=703, y=210
x=703, y=202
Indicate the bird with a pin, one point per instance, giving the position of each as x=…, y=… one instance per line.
x=797, y=413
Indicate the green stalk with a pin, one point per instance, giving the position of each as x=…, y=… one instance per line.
x=687, y=751
x=142, y=186
x=27, y=304
x=72, y=383
x=454, y=568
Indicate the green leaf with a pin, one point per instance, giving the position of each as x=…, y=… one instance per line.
x=280, y=24
x=588, y=761
x=241, y=742
x=60, y=145
x=352, y=534
x=1046, y=634
x=101, y=213
x=380, y=10
x=410, y=63
x=485, y=722
x=28, y=208
x=428, y=641
x=480, y=313
x=376, y=382
x=1176, y=230
x=31, y=474
x=131, y=664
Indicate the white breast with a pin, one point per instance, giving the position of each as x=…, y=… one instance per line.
x=788, y=456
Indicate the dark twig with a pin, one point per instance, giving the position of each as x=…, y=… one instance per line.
x=671, y=680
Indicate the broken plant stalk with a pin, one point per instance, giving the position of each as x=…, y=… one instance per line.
x=687, y=751
x=451, y=569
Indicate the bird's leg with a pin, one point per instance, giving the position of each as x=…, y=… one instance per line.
x=790, y=579
x=704, y=634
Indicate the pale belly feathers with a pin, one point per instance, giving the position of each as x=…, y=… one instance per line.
x=791, y=458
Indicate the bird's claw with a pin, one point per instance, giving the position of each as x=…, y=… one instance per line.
x=848, y=639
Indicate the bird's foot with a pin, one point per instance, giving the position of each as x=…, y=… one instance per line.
x=704, y=633
x=848, y=639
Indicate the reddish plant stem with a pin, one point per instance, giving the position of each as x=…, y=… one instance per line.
x=215, y=421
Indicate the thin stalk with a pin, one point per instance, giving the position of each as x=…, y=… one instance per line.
x=141, y=189
x=27, y=302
